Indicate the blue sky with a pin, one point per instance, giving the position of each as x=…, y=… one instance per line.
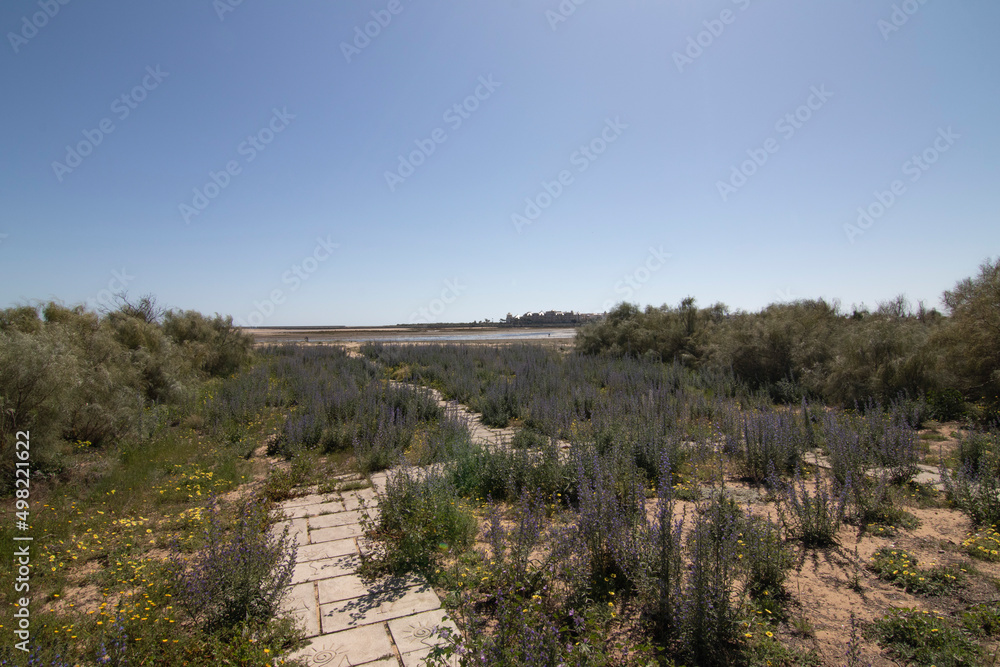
x=274, y=162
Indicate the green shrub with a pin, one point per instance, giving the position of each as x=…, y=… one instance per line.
x=500, y=473
x=779, y=349
x=36, y=373
x=982, y=620
x=663, y=333
x=900, y=569
x=978, y=453
x=420, y=519
x=925, y=638
x=20, y=318
x=212, y=345
x=765, y=557
x=946, y=405
x=984, y=544
x=971, y=341
x=528, y=438
x=978, y=496
x=498, y=406
x=880, y=356
x=812, y=516
x=877, y=502
x=240, y=575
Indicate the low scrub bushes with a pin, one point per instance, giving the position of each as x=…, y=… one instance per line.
x=813, y=515
x=238, y=576
x=984, y=544
x=552, y=584
x=502, y=474
x=974, y=487
x=982, y=620
x=924, y=638
x=420, y=519
x=772, y=443
x=72, y=376
x=900, y=569
x=812, y=348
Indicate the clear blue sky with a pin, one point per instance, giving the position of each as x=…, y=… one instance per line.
x=310, y=127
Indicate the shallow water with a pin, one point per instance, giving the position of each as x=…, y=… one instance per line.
x=410, y=338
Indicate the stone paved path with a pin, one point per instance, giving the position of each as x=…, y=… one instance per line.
x=392, y=622
x=927, y=475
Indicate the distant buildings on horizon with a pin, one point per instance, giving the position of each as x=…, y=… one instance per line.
x=549, y=317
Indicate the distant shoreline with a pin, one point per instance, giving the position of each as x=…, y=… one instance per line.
x=404, y=334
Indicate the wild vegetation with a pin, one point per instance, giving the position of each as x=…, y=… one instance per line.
x=661, y=495
x=658, y=505
x=144, y=549
x=815, y=350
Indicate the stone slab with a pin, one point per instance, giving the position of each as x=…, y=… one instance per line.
x=303, y=511
x=416, y=659
x=379, y=480
x=326, y=550
x=354, y=500
x=337, y=589
x=338, y=519
x=421, y=631
x=352, y=586
x=334, y=533
x=325, y=568
x=311, y=499
x=357, y=646
x=300, y=603
x=298, y=530
x=376, y=608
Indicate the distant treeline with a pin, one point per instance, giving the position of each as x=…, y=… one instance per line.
x=68, y=375
x=812, y=349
